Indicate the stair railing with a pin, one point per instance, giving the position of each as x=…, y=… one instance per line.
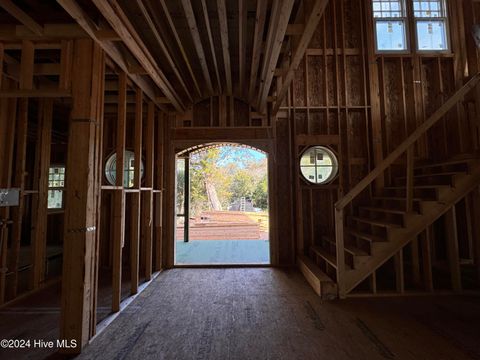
x=406, y=146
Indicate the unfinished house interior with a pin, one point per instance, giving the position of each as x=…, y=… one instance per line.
x=366, y=118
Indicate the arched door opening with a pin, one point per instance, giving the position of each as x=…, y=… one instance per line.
x=221, y=205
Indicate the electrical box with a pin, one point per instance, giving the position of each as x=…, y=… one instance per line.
x=9, y=197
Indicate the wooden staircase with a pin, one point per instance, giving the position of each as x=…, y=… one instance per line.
x=370, y=232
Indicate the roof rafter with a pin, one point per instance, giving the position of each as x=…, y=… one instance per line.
x=260, y=18
x=277, y=30
x=163, y=47
x=242, y=42
x=21, y=16
x=119, y=21
x=212, y=46
x=180, y=45
x=76, y=12
x=192, y=24
x=222, y=18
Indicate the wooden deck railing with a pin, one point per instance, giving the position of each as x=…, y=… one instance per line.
x=406, y=146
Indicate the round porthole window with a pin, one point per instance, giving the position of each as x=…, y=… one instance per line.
x=129, y=169
x=319, y=165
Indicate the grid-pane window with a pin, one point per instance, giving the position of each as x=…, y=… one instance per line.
x=390, y=25
x=56, y=186
x=431, y=25
x=318, y=165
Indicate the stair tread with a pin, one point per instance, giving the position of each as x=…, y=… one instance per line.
x=435, y=174
x=395, y=198
x=445, y=163
x=375, y=222
x=355, y=251
x=426, y=186
x=330, y=258
x=366, y=236
x=348, y=248
x=387, y=210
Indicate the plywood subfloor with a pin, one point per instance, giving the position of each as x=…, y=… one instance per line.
x=37, y=317
x=222, y=252
x=273, y=314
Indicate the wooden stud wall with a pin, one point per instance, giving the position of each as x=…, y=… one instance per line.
x=363, y=105
x=24, y=87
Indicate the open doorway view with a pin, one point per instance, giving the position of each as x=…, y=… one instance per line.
x=222, y=206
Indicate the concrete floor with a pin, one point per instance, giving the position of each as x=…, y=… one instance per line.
x=266, y=313
x=222, y=252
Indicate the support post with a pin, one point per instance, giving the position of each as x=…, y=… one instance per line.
x=119, y=195
x=452, y=248
x=79, y=281
x=339, y=237
x=39, y=233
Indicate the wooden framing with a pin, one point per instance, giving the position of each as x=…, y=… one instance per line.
x=387, y=117
x=42, y=162
x=192, y=23
x=21, y=16
x=277, y=28
x=222, y=19
x=212, y=46
x=257, y=45
x=119, y=195
x=310, y=27
x=162, y=45
x=80, y=257
x=180, y=45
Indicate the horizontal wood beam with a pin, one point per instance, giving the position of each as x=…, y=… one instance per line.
x=222, y=134
x=49, y=31
x=37, y=93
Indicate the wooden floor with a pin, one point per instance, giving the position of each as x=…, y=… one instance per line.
x=273, y=314
x=37, y=317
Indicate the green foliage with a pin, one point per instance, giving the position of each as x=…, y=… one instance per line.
x=260, y=194
x=231, y=172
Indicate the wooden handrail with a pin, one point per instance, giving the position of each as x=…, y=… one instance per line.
x=394, y=155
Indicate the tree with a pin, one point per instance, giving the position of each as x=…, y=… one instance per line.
x=260, y=194
x=243, y=184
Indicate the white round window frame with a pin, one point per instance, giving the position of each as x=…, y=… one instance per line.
x=335, y=165
x=113, y=158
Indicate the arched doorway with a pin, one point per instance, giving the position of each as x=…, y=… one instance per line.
x=221, y=205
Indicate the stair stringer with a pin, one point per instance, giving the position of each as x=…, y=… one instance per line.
x=399, y=238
